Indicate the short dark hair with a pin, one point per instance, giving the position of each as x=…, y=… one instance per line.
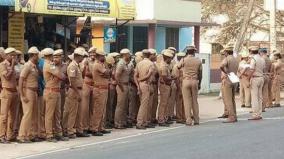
x=190, y=51
x=254, y=52
x=230, y=52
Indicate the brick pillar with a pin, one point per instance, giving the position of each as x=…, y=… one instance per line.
x=197, y=37
x=151, y=35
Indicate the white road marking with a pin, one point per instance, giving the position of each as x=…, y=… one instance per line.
x=131, y=136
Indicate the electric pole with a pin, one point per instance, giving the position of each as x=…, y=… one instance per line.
x=273, y=39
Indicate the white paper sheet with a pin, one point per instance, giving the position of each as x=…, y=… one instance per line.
x=233, y=77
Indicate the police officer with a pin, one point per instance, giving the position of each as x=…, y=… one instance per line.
x=229, y=64
x=154, y=86
x=143, y=72
x=28, y=88
x=101, y=77
x=257, y=66
x=244, y=81
x=122, y=76
x=8, y=96
x=74, y=95
x=266, y=90
x=278, y=66
x=192, y=76
x=178, y=75
x=165, y=87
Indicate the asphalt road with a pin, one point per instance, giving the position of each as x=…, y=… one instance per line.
x=211, y=140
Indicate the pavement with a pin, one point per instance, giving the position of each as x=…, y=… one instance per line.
x=212, y=139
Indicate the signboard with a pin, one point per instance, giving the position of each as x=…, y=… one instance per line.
x=109, y=35
x=279, y=4
x=104, y=8
x=126, y=9
x=7, y=2
x=16, y=31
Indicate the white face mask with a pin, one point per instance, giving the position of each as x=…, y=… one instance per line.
x=196, y=55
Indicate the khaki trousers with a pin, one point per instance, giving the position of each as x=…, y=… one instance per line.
x=63, y=96
x=133, y=99
x=270, y=94
x=165, y=91
x=18, y=114
x=180, y=113
x=190, y=93
x=245, y=92
x=276, y=90
x=172, y=101
x=256, y=94
x=120, y=117
x=225, y=106
x=99, y=111
x=41, y=117
x=83, y=110
x=265, y=93
x=154, y=102
x=7, y=114
x=144, y=104
x=52, y=103
x=111, y=105
x=70, y=113
x=228, y=93
x=25, y=131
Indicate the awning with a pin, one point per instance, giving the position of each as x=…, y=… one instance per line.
x=7, y=2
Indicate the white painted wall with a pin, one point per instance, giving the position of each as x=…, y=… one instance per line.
x=170, y=10
x=177, y=10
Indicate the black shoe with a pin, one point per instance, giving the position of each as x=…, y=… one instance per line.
x=72, y=136
x=24, y=141
x=105, y=132
x=51, y=140
x=180, y=122
x=223, y=116
x=196, y=123
x=169, y=122
x=150, y=126
x=164, y=125
x=141, y=127
x=243, y=106
x=36, y=139
x=120, y=127
x=61, y=138
x=82, y=135
x=4, y=141
x=277, y=105
x=129, y=125
x=97, y=134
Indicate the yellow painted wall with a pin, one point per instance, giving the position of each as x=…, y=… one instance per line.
x=98, y=31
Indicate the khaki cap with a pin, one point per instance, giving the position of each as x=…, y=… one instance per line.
x=2, y=50
x=228, y=48
x=181, y=54
x=100, y=52
x=113, y=54
x=71, y=57
x=172, y=48
x=254, y=48
x=277, y=52
x=145, y=51
x=125, y=51
x=167, y=53
x=191, y=47
x=58, y=52
x=244, y=54
x=110, y=60
x=92, y=49
x=85, y=46
x=19, y=52
x=153, y=51
x=79, y=51
x=33, y=50
x=139, y=54
x=10, y=50
x=47, y=51
x=86, y=54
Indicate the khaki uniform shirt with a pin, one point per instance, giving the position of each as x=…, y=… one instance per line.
x=258, y=64
x=89, y=68
x=164, y=71
x=230, y=64
x=123, y=70
x=155, y=75
x=52, y=75
x=99, y=76
x=30, y=75
x=143, y=68
x=74, y=71
x=5, y=68
x=192, y=67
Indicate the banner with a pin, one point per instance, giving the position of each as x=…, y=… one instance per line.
x=102, y=8
x=122, y=9
x=110, y=35
x=16, y=31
